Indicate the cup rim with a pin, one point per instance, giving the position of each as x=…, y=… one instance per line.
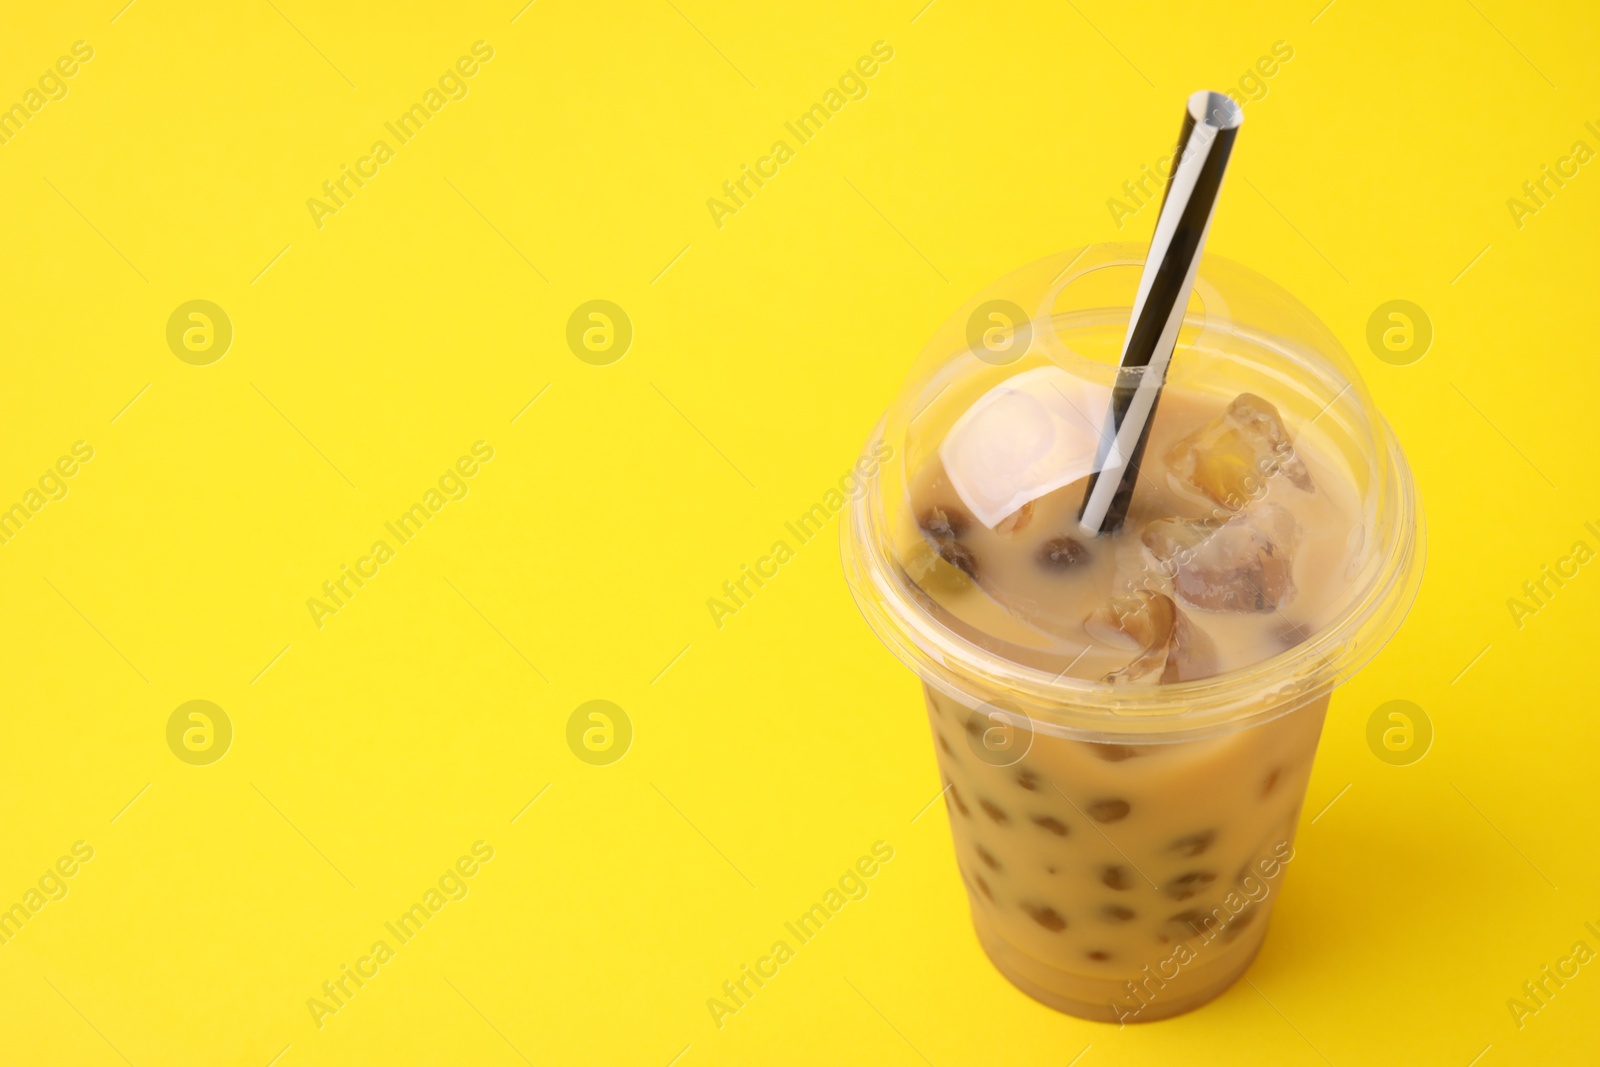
x=1096, y=710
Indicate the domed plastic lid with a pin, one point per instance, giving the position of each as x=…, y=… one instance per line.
x=1270, y=547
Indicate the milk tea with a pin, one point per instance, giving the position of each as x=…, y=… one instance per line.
x=1133, y=881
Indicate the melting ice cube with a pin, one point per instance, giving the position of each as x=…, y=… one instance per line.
x=1170, y=649
x=1242, y=565
x=1034, y=432
x=1231, y=458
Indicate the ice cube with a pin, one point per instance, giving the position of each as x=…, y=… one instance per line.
x=1171, y=649
x=1231, y=458
x=1243, y=565
x=1033, y=433
x=1014, y=522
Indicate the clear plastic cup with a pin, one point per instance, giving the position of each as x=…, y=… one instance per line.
x=1124, y=823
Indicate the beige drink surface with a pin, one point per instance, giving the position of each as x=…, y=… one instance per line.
x=1013, y=598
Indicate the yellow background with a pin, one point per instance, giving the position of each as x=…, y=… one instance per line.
x=428, y=712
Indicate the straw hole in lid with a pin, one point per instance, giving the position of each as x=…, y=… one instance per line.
x=1113, y=286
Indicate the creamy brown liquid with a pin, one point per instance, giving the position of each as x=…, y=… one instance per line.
x=1043, y=609
x=1126, y=882
x=1130, y=881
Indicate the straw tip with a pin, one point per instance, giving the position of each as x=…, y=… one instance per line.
x=1217, y=110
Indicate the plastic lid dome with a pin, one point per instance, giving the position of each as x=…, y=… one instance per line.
x=1272, y=542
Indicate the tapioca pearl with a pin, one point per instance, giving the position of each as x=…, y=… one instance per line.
x=1271, y=782
x=1109, y=810
x=1193, y=844
x=1116, y=877
x=1187, y=885
x=1111, y=753
x=1049, y=870
x=945, y=521
x=1291, y=634
x=994, y=811
x=1028, y=780
x=987, y=857
x=1192, y=919
x=1051, y=823
x=1237, y=925
x=1117, y=913
x=956, y=797
x=1060, y=554
x=1045, y=916
x=948, y=751
x=1099, y=955
x=984, y=886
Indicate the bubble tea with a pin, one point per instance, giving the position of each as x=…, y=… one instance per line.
x=1125, y=724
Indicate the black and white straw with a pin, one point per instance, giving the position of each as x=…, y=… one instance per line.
x=1209, y=127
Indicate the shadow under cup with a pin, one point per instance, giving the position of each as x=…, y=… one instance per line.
x=1123, y=845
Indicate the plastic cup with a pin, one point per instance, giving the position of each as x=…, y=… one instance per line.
x=1123, y=844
